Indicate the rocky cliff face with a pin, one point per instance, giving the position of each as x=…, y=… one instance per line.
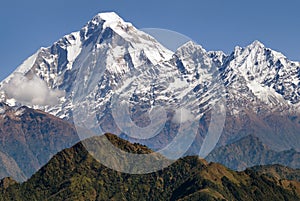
x=29, y=138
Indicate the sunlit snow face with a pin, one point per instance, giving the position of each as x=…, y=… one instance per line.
x=151, y=80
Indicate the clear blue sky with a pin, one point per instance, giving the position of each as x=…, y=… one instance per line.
x=26, y=25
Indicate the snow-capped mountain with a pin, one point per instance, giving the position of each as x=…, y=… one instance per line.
x=105, y=42
x=109, y=59
x=268, y=76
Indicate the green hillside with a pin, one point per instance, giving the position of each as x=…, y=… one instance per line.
x=74, y=174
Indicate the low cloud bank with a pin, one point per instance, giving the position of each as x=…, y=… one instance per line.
x=32, y=91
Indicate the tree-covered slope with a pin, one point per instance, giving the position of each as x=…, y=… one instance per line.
x=74, y=174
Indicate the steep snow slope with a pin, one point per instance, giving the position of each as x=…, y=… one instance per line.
x=109, y=61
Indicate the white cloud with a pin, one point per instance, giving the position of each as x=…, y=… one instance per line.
x=32, y=91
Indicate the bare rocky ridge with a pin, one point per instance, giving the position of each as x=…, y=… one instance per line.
x=250, y=151
x=29, y=138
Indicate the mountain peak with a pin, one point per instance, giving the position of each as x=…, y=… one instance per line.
x=192, y=44
x=256, y=45
x=105, y=20
x=190, y=47
x=108, y=17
